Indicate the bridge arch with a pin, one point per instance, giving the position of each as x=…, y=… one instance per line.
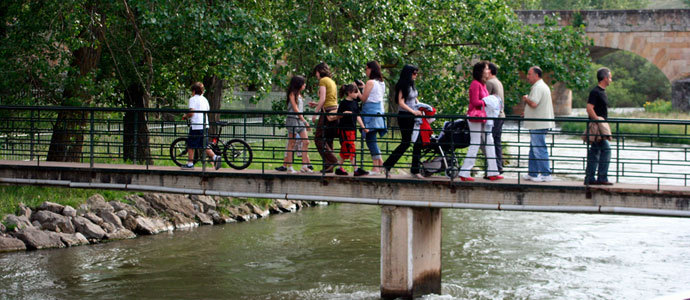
x=660, y=36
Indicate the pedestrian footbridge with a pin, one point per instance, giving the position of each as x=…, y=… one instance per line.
x=650, y=171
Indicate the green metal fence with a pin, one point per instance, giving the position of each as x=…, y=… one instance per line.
x=644, y=151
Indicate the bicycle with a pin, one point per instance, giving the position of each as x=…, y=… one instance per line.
x=236, y=153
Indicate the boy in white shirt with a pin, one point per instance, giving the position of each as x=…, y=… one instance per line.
x=199, y=122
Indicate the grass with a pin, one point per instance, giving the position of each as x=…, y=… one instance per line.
x=33, y=196
x=665, y=133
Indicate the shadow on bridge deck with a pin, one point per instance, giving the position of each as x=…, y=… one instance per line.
x=398, y=190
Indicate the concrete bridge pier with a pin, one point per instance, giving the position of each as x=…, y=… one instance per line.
x=410, y=251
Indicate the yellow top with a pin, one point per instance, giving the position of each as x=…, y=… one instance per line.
x=331, y=91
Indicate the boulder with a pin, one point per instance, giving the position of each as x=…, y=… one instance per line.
x=73, y=239
x=50, y=206
x=120, y=234
x=97, y=204
x=130, y=222
x=204, y=219
x=109, y=228
x=285, y=205
x=90, y=230
x=94, y=218
x=240, y=213
x=109, y=217
x=121, y=206
x=216, y=217
x=36, y=239
x=69, y=211
x=24, y=211
x=53, y=221
x=298, y=203
x=273, y=209
x=171, y=203
x=142, y=205
x=256, y=210
x=16, y=222
x=122, y=214
x=205, y=202
x=8, y=244
x=183, y=222
x=37, y=225
x=145, y=225
x=2, y=228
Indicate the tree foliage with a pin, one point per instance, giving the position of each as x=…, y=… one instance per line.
x=635, y=81
x=153, y=49
x=443, y=38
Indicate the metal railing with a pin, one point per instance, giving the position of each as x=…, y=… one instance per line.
x=644, y=151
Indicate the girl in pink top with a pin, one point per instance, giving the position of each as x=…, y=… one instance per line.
x=481, y=73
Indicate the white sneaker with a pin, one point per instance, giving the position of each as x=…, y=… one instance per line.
x=291, y=170
x=305, y=169
x=530, y=178
x=547, y=178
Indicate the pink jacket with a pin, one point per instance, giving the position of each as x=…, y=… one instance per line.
x=477, y=93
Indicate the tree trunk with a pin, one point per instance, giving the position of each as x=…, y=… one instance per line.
x=135, y=138
x=67, y=140
x=214, y=94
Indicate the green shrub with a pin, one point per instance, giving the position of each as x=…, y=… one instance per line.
x=658, y=106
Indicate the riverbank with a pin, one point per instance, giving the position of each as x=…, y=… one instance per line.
x=664, y=133
x=97, y=220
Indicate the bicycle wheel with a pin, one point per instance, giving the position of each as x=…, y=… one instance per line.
x=178, y=152
x=238, y=154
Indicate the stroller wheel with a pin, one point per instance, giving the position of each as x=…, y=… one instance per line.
x=452, y=172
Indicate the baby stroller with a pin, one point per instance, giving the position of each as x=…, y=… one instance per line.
x=439, y=155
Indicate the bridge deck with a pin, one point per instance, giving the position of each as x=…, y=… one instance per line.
x=438, y=191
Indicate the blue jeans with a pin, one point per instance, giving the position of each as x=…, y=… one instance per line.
x=538, y=153
x=599, y=155
x=372, y=144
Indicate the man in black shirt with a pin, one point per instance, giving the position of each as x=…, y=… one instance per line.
x=599, y=154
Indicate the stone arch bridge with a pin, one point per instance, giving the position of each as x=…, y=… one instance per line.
x=660, y=36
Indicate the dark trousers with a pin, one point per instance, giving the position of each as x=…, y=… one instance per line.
x=598, y=157
x=406, y=123
x=325, y=133
x=496, y=132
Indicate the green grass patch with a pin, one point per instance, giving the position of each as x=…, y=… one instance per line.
x=33, y=196
x=660, y=133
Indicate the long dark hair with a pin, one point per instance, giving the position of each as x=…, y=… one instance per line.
x=296, y=83
x=345, y=89
x=375, y=70
x=405, y=83
x=478, y=70
x=323, y=69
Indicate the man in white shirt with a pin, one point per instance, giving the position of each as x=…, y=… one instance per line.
x=538, y=105
x=199, y=125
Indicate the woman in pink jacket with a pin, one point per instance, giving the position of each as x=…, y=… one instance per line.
x=481, y=73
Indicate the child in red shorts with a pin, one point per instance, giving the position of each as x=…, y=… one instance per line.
x=347, y=128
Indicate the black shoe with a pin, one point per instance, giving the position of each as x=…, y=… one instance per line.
x=310, y=167
x=340, y=171
x=387, y=171
x=605, y=182
x=592, y=183
x=281, y=169
x=360, y=172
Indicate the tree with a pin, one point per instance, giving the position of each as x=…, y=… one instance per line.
x=443, y=38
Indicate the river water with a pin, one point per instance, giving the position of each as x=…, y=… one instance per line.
x=332, y=252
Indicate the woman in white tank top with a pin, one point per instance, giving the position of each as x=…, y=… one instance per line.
x=372, y=104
